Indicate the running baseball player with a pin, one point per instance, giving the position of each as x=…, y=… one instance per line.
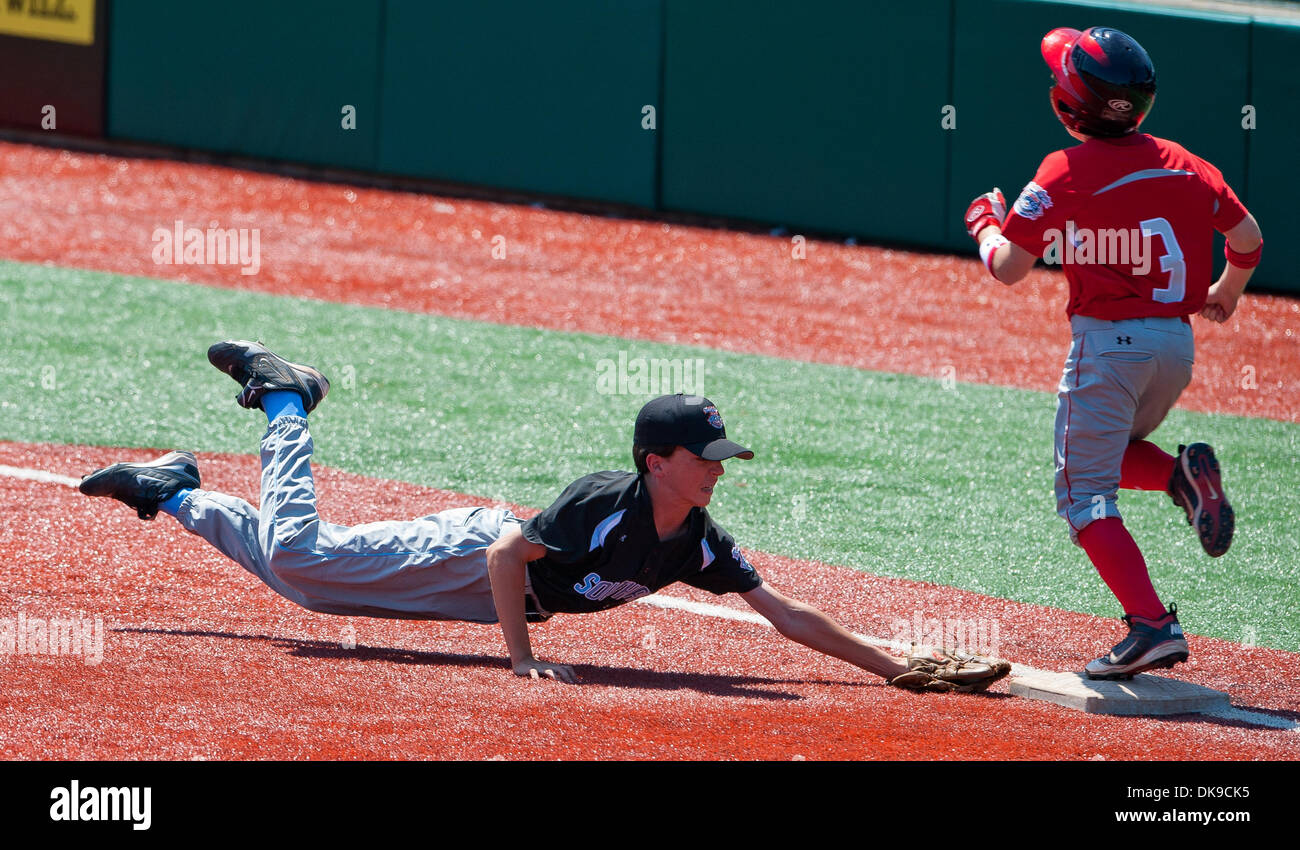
x=610, y=538
x=1131, y=218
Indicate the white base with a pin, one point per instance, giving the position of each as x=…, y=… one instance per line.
x=1143, y=694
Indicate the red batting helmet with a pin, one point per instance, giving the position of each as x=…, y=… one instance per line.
x=1103, y=81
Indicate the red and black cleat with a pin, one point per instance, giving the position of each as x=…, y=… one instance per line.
x=1147, y=647
x=1197, y=488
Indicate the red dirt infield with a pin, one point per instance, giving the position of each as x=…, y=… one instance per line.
x=201, y=661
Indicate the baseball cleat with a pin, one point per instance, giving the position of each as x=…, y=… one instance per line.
x=144, y=485
x=1195, y=486
x=259, y=372
x=1145, y=648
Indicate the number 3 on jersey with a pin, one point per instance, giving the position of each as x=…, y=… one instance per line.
x=1171, y=261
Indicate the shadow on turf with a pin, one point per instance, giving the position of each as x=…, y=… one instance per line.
x=625, y=677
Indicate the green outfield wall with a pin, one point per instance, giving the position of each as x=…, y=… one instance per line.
x=1274, y=146
x=876, y=120
x=806, y=116
x=247, y=77
x=560, y=98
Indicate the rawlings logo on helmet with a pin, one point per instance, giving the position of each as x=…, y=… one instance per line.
x=1033, y=202
x=1103, y=82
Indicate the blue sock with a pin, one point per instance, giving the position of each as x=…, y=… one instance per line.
x=172, y=505
x=279, y=403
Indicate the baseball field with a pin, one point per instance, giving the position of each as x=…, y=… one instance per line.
x=899, y=404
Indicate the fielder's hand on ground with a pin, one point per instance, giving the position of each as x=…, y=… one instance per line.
x=535, y=669
x=942, y=671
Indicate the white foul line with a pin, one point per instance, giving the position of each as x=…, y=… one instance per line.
x=38, y=475
x=706, y=609
x=719, y=612
x=1255, y=717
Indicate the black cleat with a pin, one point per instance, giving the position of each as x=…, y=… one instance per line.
x=259, y=372
x=144, y=485
x=1145, y=648
x=1196, y=487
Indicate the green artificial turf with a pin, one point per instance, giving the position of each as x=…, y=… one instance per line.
x=892, y=474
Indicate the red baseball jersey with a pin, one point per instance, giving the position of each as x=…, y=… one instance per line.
x=1131, y=220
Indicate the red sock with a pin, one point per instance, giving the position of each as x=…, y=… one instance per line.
x=1146, y=467
x=1121, y=565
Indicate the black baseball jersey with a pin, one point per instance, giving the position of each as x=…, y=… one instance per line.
x=603, y=549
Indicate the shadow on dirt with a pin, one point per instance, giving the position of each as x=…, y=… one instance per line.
x=756, y=687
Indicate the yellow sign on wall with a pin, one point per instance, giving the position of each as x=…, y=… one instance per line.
x=71, y=21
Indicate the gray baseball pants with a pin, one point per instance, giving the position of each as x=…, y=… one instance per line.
x=431, y=568
x=1120, y=381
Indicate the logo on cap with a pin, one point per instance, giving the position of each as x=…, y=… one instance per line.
x=715, y=418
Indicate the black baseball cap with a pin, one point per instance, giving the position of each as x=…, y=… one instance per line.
x=690, y=421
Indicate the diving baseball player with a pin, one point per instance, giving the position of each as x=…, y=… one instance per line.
x=610, y=538
x=1131, y=219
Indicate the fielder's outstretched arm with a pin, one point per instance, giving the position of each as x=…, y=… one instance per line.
x=507, y=560
x=806, y=625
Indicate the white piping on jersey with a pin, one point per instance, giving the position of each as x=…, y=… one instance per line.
x=602, y=531
x=708, y=554
x=1144, y=174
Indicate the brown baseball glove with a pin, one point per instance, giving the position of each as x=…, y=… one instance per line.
x=942, y=671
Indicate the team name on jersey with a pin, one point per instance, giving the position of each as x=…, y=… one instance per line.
x=594, y=587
